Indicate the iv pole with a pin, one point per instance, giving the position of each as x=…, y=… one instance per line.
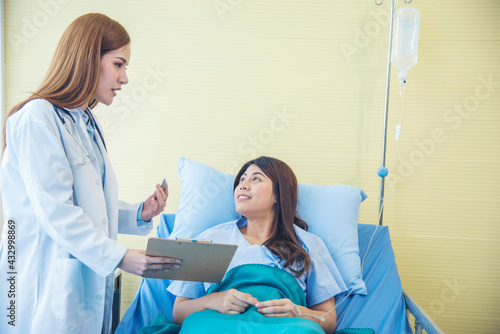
x=383, y=171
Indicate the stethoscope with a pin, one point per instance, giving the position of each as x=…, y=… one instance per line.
x=77, y=138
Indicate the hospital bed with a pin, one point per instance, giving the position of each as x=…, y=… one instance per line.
x=383, y=309
x=384, y=306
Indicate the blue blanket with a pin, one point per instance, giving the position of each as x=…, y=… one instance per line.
x=263, y=283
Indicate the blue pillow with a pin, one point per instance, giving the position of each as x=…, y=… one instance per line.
x=330, y=210
x=332, y=214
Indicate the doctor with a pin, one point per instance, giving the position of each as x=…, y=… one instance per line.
x=60, y=195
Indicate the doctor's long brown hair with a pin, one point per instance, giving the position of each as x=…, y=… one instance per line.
x=73, y=75
x=283, y=241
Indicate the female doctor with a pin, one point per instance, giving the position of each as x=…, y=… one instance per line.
x=61, y=213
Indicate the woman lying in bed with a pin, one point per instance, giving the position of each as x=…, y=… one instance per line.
x=273, y=250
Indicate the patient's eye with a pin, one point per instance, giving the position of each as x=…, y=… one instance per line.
x=256, y=178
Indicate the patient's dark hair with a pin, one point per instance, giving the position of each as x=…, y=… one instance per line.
x=283, y=241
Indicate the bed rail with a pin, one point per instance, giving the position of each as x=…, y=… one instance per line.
x=422, y=320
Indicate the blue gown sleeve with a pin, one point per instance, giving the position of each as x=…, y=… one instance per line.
x=184, y=289
x=323, y=280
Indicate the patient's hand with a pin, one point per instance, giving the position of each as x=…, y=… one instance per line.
x=231, y=301
x=228, y=302
x=276, y=308
x=323, y=313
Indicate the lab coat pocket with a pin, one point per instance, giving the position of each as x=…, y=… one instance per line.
x=67, y=289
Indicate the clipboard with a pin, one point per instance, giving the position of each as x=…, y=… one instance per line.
x=201, y=260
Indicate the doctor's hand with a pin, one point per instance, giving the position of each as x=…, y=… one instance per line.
x=155, y=203
x=137, y=262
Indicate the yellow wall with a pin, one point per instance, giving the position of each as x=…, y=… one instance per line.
x=208, y=77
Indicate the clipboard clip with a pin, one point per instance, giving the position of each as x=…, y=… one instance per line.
x=194, y=240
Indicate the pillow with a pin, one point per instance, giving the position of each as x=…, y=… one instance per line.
x=206, y=199
x=330, y=210
x=332, y=214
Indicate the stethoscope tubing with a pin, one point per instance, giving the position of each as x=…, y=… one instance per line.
x=91, y=119
x=78, y=141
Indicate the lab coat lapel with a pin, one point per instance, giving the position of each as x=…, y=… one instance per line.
x=110, y=189
x=111, y=196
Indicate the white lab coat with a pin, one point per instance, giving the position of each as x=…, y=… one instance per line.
x=62, y=225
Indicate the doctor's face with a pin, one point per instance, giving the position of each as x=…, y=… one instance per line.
x=254, y=195
x=112, y=74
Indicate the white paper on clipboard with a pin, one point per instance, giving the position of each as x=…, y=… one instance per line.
x=201, y=261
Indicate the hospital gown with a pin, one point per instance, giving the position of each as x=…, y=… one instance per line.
x=320, y=283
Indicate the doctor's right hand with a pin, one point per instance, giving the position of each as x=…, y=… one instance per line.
x=137, y=262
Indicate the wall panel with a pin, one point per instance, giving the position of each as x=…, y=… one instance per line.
x=205, y=83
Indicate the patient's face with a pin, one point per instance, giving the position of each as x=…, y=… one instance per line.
x=254, y=196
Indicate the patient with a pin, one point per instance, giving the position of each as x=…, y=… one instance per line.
x=269, y=235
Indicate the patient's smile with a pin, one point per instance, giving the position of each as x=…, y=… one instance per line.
x=243, y=197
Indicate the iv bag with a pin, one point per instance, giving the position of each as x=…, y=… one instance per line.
x=405, y=40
